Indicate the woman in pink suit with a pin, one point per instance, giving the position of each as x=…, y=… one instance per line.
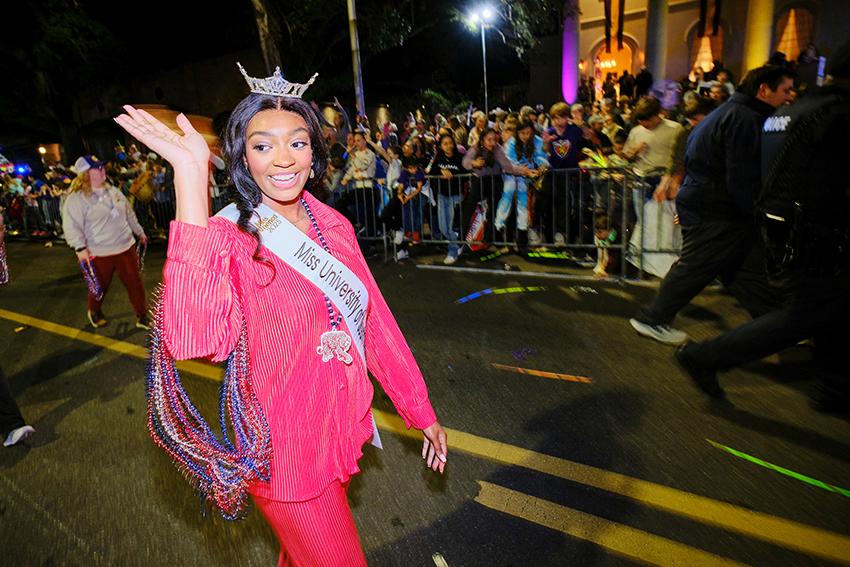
x=297, y=311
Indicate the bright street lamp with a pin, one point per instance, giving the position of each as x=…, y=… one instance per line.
x=482, y=16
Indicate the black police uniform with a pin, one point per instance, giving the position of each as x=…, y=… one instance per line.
x=804, y=209
x=715, y=207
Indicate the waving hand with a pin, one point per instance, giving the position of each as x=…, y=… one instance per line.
x=190, y=148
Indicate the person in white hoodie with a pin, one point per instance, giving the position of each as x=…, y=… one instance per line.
x=100, y=226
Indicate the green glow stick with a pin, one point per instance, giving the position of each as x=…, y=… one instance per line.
x=782, y=470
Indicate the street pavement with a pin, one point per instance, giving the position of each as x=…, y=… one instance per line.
x=606, y=460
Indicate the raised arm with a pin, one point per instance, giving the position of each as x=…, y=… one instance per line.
x=200, y=300
x=188, y=153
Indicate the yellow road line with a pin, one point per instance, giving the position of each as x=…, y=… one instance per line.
x=772, y=529
x=542, y=373
x=122, y=347
x=621, y=539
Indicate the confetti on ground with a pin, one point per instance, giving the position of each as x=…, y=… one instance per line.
x=19, y=329
x=500, y=291
x=495, y=254
x=583, y=289
x=522, y=353
x=551, y=255
x=782, y=470
x=439, y=561
x=542, y=373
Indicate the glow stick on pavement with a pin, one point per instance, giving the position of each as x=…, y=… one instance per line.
x=499, y=291
x=551, y=255
x=542, y=373
x=782, y=470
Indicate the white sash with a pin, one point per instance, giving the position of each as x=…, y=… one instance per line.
x=331, y=276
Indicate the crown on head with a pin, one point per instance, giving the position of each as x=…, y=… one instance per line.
x=276, y=85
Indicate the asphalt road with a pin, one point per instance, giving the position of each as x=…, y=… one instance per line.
x=614, y=470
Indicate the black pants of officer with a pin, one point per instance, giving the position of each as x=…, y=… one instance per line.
x=10, y=414
x=816, y=307
x=719, y=249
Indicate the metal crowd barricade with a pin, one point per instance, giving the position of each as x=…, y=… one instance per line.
x=361, y=202
x=566, y=208
x=33, y=219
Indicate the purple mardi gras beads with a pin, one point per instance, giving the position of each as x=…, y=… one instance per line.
x=141, y=250
x=4, y=265
x=91, y=280
x=220, y=469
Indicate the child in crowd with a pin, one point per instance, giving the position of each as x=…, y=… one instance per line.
x=526, y=149
x=403, y=213
x=564, y=142
x=605, y=236
x=449, y=162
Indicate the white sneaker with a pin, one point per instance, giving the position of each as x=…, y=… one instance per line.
x=402, y=255
x=18, y=435
x=661, y=333
x=398, y=237
x=559, y=239
x=449, y=260
x=533, y=238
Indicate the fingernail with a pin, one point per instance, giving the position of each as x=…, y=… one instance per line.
x=442, y=458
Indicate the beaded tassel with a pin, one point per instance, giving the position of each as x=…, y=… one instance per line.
x=141, y=250
x=4, y=265
x=220, y=469
x=91, y=281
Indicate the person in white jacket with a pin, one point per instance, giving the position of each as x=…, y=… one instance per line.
x=100, y=225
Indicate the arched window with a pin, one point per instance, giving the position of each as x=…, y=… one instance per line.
x=794, y=32
x=705, y=50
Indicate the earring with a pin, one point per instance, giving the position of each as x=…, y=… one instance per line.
x=312, y=174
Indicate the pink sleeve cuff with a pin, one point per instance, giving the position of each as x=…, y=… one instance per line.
x=421, y=416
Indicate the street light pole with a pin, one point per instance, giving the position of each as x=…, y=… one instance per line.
x=355, y=58
x=484, y=57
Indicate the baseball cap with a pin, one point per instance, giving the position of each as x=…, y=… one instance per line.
x=86, y=162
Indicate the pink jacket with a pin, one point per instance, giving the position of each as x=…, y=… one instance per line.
x=318, y=412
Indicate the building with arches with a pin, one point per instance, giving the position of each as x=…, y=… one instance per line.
x=671, y=37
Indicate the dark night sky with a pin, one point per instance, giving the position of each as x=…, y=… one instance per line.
x=159, y=34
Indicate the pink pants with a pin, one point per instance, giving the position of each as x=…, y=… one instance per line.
x=315, y=533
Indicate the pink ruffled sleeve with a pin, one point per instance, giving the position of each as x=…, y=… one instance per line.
x=200, y=302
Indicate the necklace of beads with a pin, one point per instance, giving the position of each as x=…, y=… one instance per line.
x=334, y=321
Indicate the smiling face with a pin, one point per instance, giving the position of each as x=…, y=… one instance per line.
x=447, y=146
x=359, y=142
x=278, y=154
x=782, y=94
x=489, y=141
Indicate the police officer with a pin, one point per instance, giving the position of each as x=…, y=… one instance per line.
x=804, y=212
x=715, y=207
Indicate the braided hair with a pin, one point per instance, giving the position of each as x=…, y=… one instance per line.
x=245, y=192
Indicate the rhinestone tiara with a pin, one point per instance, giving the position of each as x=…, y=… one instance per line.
x=276, y=85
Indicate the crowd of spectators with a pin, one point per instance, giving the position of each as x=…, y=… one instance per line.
x=423, y=177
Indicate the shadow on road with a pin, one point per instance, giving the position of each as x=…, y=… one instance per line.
x=587, y=430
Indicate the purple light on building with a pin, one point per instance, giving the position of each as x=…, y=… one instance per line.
x=569, y=56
